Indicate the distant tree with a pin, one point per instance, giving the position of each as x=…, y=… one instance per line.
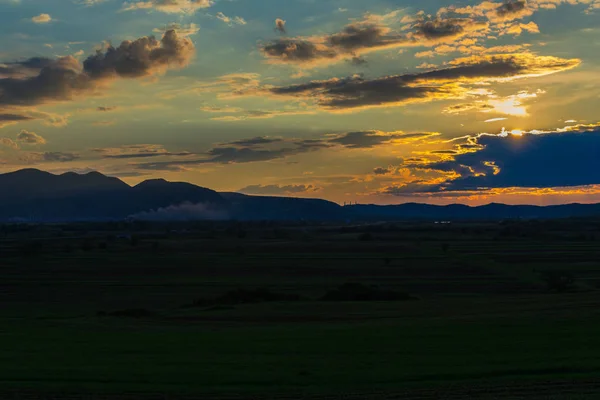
x=87, y=245
x=559, y=281
x=30, y=249
x=365, y=237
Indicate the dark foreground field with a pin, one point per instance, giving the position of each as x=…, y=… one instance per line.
x=165, y=311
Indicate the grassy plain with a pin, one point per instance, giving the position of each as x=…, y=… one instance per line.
x=484, y=323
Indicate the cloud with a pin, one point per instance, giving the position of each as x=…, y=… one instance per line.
x=449, y=27
x=278, y=190
x=30, y=138
x=137, y=151
x=511, y=10
x=42, y=80
x=355, y=92
x=297, y=50
x=89, y=3
x=370, y=139
x=536, y=159
x=141, y=57
x=354, y=39
x=104, y=123
x=42, y=19
x=280, y=26
x=229, y=20
x=244, y=115
x=226, y=86
x=440, y=30
x=256, y=141
x=106, y=108
x=509, y=105
x=169, y=6
x=263, y=149
x=9, y=119
x=181, y=29
x=7, y=142
x=218, y=110
x=49, y=157
x=383, y=171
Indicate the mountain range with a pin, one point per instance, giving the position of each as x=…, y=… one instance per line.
x=38, y=196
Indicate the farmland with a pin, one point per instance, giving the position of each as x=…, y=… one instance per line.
x=232, y=310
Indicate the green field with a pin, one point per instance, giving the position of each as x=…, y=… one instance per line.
x=482, y=322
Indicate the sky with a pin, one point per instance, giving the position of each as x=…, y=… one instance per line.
x=385, y=101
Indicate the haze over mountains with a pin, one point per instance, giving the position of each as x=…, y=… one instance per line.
x=38, y=196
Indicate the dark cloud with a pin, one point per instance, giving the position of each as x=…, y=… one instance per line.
x=256, y=141
x=511, y=7
x=465, y=107
x=50, y=157
x=59, y=80
x=106, y=109
x=358, y=61
x=358, y=92
x=137, y=151
x=146, y=155
x=353, y=40
x=370, y=139
x=32, y=138
x=7, y=119
x=261, y=149
x=297, y=51
x=27, y=68
x=530, y=160
x=356, y=37
x=439, y=29
x=383, y=171
x=41, y=80
x=141, y=57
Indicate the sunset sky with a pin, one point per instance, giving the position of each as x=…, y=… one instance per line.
x=381, y=101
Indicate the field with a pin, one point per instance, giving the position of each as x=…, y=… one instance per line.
x=133, y=310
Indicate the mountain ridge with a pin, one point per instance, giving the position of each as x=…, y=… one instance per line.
x=40, y=196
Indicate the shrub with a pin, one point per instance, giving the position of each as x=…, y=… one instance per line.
x=559, y=281
x=87, y=245
x=245, y=296
x=130, y=313
x=365, y=237
x=360, y=292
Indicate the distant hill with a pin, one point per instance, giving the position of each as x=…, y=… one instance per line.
x=244, y=207
x=29, y=184
x=33, y=195
x=493, y=211
x=38, y=196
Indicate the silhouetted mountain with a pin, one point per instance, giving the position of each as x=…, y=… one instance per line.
x=32, y=183
x=244, y=207
x=493, y=211
x=33, y=195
